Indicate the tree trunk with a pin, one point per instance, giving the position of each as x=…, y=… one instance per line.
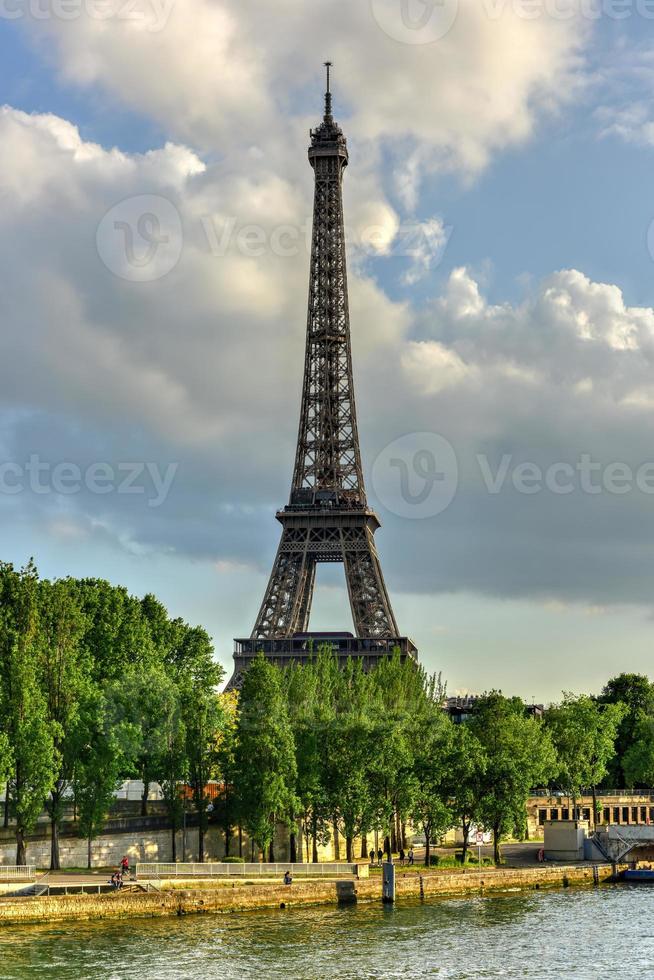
x=314, y=837
x=364, y=847
x=144, y=798
x=337, y=841
x=293, y=848
x=54, y=808
x=427, y=844
x=393, y=837
x=594, y=813
x=89, y=853
x=497, y=854
x=465, y=828
x=200, y=841
x=21, y=853
x=387, y=847
x=6, y=820
x=54, y=843
x=348, y=849
x=271, y=852
x=174, y=842
x=398, y=831
x=240, y=841
x=228, y=841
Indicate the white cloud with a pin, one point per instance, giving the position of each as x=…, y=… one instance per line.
x=431, y=367
x=212, y=77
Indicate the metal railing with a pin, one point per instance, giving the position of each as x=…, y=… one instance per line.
x=10, y=872
x=182, y=870
x=557, y=794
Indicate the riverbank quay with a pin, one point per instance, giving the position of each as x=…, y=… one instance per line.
x=178, y=898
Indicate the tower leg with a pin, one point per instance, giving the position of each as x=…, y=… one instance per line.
x=287, y=602
x=372, y=613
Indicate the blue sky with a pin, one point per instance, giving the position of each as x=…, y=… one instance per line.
x=521, y=154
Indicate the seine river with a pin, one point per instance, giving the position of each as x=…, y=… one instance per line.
x=607, y=933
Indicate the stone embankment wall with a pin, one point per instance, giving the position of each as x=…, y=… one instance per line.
x=107, y=850
x=221, y=896
x=140, y=845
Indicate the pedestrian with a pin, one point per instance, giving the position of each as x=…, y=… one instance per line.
x=124, y=866
x=402, y=855
x=372, y=857
x=410, y=855
x=380, y=855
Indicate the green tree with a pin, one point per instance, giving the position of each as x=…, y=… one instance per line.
x=265, y=755
x=399, y=692
x=433, y=750
x=105, y=748
x=311, y=693
x=347, y=741
x=465, y=767
x=519, y=754
x=204, y=720
x=636, y=692
x=149, y=701
x=172, y=765
x=226, y=805
x=35, y=760
x=584, y=733
x=64, y=679
x=117, y=636
x=5, y=756
x=638, y=760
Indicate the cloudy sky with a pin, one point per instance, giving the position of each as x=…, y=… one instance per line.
x=155, y=197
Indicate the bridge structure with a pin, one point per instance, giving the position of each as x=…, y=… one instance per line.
x=616, y=842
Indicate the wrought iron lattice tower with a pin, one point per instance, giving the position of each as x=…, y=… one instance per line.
x=327, y=518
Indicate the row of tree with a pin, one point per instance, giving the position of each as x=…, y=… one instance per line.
x=97, y=686
x=334, y=750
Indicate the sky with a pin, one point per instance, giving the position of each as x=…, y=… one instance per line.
x=155, y=197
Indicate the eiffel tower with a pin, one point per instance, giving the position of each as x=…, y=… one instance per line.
x=327, y=518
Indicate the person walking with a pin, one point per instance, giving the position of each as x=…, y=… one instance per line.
x=410, y=856
x=372, y=857
x=402, y=855
x=380, y=855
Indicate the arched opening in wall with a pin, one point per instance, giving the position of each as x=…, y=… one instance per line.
x=330, y=610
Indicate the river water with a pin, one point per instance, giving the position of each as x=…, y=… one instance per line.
x=585, y=935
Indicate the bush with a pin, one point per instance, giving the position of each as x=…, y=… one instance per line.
x=233, y=860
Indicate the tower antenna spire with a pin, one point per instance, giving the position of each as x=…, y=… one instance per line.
x=328, y=94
